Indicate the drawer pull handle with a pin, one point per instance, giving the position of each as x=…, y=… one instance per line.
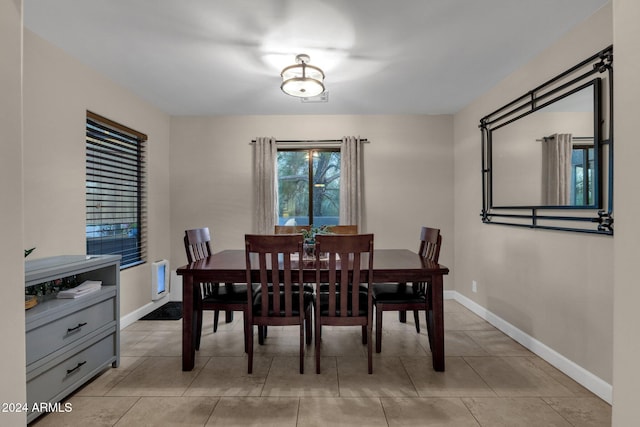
x=76, y=368
x=80, y=325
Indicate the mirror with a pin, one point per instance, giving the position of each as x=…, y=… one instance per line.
x=546, y=160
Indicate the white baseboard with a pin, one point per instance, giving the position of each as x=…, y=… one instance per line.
x=131, y=318
x=596, y=385
x=176, y=286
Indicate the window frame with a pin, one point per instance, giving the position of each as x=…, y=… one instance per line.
x=310, y=151
x=122, y=171
x=588, y=155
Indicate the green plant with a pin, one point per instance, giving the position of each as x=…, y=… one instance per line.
x=310, y=234
x=28, y=251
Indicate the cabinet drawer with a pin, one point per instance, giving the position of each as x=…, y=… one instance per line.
x=51, y=337
x=71, y=372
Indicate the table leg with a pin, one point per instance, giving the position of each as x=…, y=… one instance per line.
x=228, y=315
x=188, y=324
x=438, y=323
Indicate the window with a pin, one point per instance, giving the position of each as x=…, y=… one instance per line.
x=309, y=186
x=582, y=175
x=115, y=190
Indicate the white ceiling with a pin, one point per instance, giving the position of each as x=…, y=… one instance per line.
x=213, y=57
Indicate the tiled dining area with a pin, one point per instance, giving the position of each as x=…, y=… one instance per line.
x=490, y=380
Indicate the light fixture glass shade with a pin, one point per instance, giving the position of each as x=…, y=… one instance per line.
x=302, y=80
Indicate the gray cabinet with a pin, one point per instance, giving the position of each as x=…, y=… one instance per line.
x=69, y=341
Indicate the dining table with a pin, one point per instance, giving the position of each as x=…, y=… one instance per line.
x=389, y=265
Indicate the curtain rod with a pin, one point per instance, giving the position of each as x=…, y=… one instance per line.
x=312, y=141
x=577, y=138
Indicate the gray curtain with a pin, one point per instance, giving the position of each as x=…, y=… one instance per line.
x=351, y=186
x=265, y=176
x=557, y=151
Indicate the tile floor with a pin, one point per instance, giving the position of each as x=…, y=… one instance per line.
x=490, y=380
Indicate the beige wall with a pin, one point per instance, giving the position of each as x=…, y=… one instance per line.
x=555, y=286
x=626, y=339
x=408, y=174
x=57, y=92
x=12, y=353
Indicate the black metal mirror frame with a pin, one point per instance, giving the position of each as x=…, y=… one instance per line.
x=596, y=218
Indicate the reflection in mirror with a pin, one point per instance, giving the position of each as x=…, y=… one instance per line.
x=547, y=158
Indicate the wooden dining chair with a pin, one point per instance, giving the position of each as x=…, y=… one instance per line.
x=341, y=301
x=342, y=229
x=212, y=296
x=276, y=300
x=290, y=229
x=403, y=297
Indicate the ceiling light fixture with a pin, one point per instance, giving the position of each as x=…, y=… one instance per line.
x=302, y=80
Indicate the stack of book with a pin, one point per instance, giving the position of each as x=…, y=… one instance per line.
x=86, y=287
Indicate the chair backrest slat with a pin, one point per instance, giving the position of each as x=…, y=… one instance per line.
x=288, y=287
x=332, y=282
x=355, y=289
x=344, y=284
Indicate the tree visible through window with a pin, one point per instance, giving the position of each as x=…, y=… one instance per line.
x=115, y=190
x=309, y=186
